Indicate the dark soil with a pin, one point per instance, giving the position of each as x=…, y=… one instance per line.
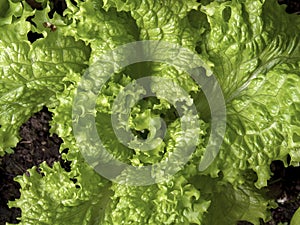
x=37, y=146
x=284, y=187
x=293, y=6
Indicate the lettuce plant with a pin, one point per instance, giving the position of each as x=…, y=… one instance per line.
x=251, y=47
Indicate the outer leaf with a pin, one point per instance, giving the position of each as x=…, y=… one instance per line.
x=104, y=30
x=229, y=204
x=9, y=10
x=246, y=38
x=162, y=20
x=56, y=199
x=263, y=125
x=296, y=217
x=32, y=73
x=260, y=79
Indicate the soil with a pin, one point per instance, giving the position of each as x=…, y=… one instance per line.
x=37, y=146
x=284, y=187
x=293, y=6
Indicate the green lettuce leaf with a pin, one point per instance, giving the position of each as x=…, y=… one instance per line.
x=174, y=202
x=252, y=48
x=9, y=11
x=58, y=197
x=296, y=217
x=31, y=74
x=230, y=204
x=255, y=52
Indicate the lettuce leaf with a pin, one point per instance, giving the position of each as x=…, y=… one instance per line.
x=80, y=200
x=9, y=10
x=255, y=51
x=296, y=217
x=230, y=204
x=252, y=47
x=31, y=74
